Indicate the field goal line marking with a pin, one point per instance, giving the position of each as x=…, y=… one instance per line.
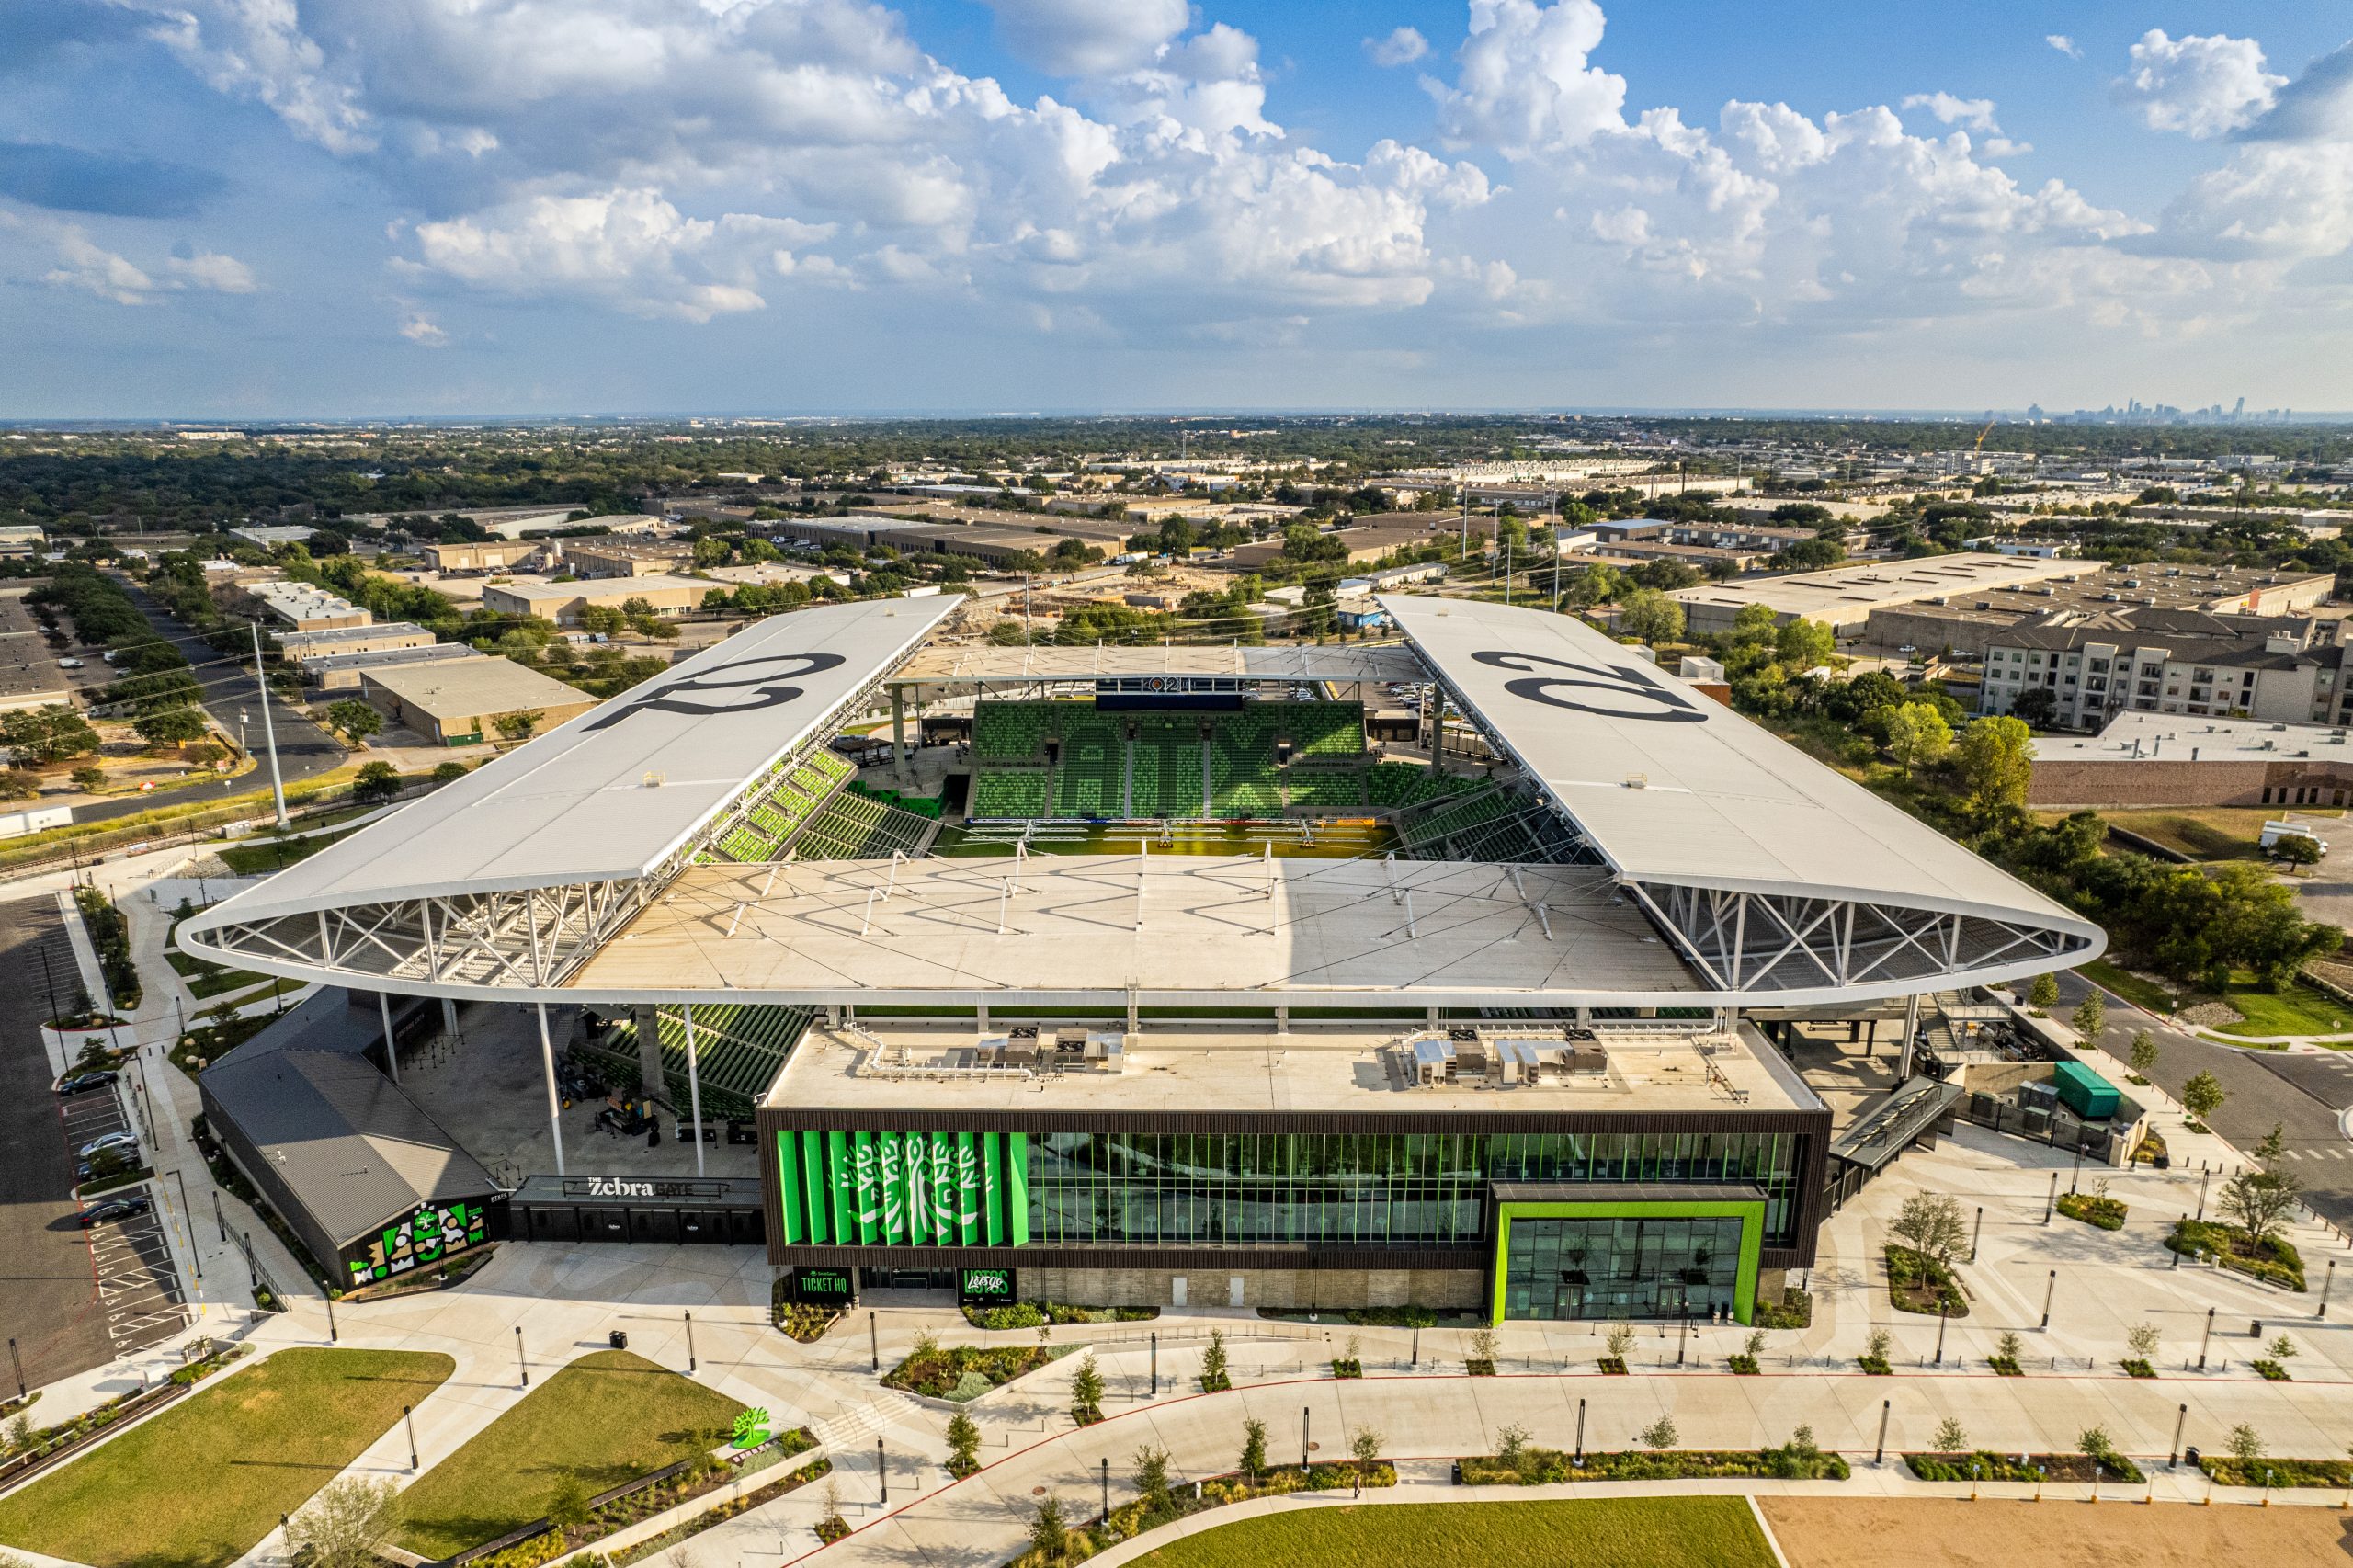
x=1758, y=1514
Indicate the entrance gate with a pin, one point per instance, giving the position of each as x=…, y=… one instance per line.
x=625, y=1209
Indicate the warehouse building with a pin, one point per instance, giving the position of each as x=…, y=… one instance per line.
x=482, y=556
x=2154, y=759
x=627, y=558
x=302, y=647
x=563, y=602
x=460, y=703
x=342, y=672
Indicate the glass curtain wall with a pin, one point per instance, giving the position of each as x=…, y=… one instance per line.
x=1361, y=1189
x=1620, y=1268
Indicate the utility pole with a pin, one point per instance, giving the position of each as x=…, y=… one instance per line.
x=268, y=727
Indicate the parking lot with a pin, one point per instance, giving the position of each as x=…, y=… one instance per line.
x=139, y=1300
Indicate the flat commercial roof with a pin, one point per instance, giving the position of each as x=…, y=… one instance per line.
x=465, y=689
x=611, y=793
x=1203, y=926
x=1310, y=1069
x=1845, y=596
x=984, y=662
x=2134, y=736
x=597, y=587
x=1673, y=786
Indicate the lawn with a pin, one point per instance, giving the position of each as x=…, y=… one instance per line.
x=2293, y=1009
x=1628, y=1532
x=2140, y=992
x=603, y=1420
x=256, y=856
x=2202, y=833
x=203, y=1481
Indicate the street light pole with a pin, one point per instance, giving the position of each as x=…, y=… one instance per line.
x=2206, y=1339
x=1977, y=1231
x=882, y=1471
x=1155, y=1363
x=2050, y=1289
x=411, y=1419
x=268, y=727
x=1942, y=1317
x=1580, y=1453
x=1304, y=1413
x=2052, y=1201
x=690, y=1345
x=1884, y=1406
x=2326, y=1281
x=520, y=1365
x=2180, y=1420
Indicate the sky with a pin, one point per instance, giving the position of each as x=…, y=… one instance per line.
x=273, y=209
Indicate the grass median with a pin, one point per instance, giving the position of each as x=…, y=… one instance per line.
x=1617, y=1532
x=607, y=1418
x=204, y=1481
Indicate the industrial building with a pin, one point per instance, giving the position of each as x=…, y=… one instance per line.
x=597, y=557
x=459, y=702
x=302, y=647
x=304, y=607
x=2154, y=759
x=1490, y=1038
x=330, y=673
x=482, y=556
x=563, y=602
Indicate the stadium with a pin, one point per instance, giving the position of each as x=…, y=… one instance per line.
x=1145, y=975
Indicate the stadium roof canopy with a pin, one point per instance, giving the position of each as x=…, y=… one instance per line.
x=1773, y=869
x=1772, y=878
x=1047, y=662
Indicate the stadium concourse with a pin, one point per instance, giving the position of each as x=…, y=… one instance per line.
x=1439, y=972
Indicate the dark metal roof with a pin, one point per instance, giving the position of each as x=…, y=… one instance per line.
x=350, y=1145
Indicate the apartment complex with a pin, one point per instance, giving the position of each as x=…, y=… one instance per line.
x=2096, y=665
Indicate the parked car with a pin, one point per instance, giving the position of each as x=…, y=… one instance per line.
x=98, y=1213
x=69, y=663
x=126, y=1142
x=83, y=1083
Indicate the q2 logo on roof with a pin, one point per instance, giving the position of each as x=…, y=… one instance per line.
x=742, y=688
x=1628, y=691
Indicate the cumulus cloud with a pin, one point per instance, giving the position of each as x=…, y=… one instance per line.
x=1088, y=38
x=2064, y=45
x=2201, y=86
x=423, y=330
x=2287, y=191
x=1525, y=84
x=1971, y=114
x=1402, y=46
x=629, y=248
x=63, y=255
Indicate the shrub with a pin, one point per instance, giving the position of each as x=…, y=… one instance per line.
x=2107, y=1213
x=2275, y=1259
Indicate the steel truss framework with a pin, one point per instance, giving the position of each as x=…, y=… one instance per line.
x=1750, y=942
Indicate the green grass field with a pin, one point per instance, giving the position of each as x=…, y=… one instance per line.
x=2293, y=1009
x=604, y=1419
x=1619, y=1532
x=200, y=1484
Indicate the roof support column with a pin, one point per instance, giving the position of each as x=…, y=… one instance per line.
x=694, y=1086
x=899, y=729
x=1911, y=1032
x=391, y=1049
x=547, y=1063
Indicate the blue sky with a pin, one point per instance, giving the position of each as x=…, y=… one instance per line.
x=279, y=207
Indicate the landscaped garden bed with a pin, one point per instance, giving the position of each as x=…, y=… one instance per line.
x=1918, y=1283
x=1035, y=1314
x=2274, y=1260
x=2092, y=1209
x=963, y=1372
x=1057, y=1543
x=758, y=1496
x=2224, y=1469
x=1524, y=1464
x=804, y=1321
x=633, y=1503
x=1795, y=1310
x=1992, y=1466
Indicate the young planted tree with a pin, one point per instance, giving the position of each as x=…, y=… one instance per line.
x=2244, y=1443
x=2091, y=1016
x=2009, y=1346
x=2141, y=1340
x=340, y=1525
x=1511, y=1445
x=1877, y=1345
x=1620, y=1340
x=1254, y=1448
x=1048, y=1530
x=2260, y=1199
x=1215, y=1374
x=1364, y=1445
x=2143, y=1056
x=2045, y=992
x=2202, y=1096
x=1149, y=1478
x=1086, y=1391
x=1660, y=1434
x=1930, y=1224
x=1951, y=1437
x=963, y=1445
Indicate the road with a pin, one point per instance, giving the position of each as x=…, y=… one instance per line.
x=304, y=750
x=47, y=1288
x=2302, y=1094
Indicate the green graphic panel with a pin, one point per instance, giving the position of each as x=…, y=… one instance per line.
x=788, y=1165
x=813, y=1169
x=993, y=1188
x=425, y=1235
x=1016, y=1189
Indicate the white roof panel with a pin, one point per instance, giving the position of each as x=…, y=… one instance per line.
x=613, y=791
x=1673, y=786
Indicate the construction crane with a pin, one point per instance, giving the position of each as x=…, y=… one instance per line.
x=1980, y=445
